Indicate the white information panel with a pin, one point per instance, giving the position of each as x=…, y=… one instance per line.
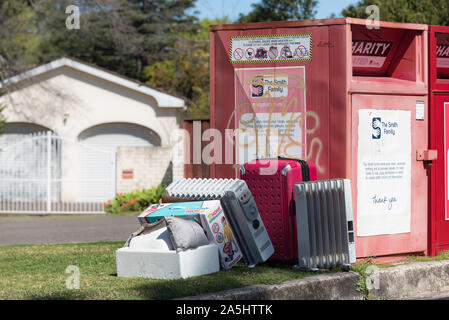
x=384, y=172
x=270, y=113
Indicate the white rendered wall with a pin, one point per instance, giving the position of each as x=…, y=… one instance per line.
x=70, y=102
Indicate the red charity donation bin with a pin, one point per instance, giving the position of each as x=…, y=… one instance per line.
x=439, y=135
x=336, y=92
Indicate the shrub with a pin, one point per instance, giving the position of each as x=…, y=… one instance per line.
x=138, y=200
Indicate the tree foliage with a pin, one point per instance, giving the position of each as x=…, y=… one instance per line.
x=188, y=73
x=19, y=37
x=159, y=42
x=280, y=10
x=120, y=35
x=434, y=12
x=2, y=107
x=2, y=119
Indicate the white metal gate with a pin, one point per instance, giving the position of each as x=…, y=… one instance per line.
x=45, y=173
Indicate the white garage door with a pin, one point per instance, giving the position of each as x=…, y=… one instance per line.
x=110, y=136
x=107, y=138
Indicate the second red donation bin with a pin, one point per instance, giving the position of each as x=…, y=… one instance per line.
x=439, y=138
x=350, y=98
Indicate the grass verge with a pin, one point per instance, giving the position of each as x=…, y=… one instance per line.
x=362, y=267
x=38, y=272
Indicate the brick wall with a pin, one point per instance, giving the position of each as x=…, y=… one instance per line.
x=145, y=167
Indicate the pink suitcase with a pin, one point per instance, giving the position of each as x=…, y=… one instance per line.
x=272, y=184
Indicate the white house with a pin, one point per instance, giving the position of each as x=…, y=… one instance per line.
x=108, y=134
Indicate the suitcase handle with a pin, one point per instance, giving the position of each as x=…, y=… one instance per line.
x=304, y=166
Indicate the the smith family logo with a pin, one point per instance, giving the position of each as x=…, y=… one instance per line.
x=257, y=88
x=383, y=128
x=377, y=131
x=269, y=86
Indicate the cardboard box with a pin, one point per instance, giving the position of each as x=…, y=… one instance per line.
x=211, y=217
x=219, y=231
x=155, y=212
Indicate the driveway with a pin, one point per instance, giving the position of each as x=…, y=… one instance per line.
x=64, y=229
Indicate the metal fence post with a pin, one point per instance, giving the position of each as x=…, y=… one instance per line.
x=114, y=174
x=48, y=171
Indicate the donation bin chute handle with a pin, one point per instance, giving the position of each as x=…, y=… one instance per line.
x=427, y=157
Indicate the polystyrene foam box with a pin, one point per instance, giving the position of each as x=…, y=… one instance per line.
x=167, y=264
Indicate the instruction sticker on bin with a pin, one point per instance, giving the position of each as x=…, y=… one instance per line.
x=275, y=48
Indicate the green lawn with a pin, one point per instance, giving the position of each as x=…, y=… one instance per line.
x=38, y=272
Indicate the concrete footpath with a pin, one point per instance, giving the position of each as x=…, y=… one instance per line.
x=65, y=229
x=421, y=280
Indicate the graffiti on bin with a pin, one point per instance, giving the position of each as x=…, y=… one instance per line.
x=290, y=109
